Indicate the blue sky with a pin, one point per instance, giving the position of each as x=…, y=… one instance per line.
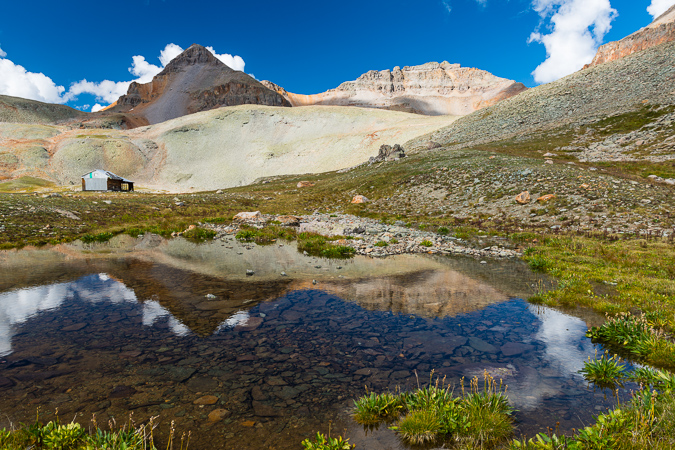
x=48, y=48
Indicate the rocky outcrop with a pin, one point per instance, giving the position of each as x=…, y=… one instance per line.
x=194, y=81
x=432, y=89
x=618, y=87
x=660, y=31
x=388, y=153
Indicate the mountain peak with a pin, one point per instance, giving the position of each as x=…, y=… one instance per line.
x=193, y=55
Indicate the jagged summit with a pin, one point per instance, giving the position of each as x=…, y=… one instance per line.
x=193, y=55
x=194, y=81
x=432, y=88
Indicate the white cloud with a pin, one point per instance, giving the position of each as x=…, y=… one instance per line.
x=169, y=53
x=578, y=28
x=106, y=90
x=97, y=107
x=658, y=7
x=16, y=81
x=234, y=62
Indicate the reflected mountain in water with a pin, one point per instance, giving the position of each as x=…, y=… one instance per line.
x=151, y=326
x=204, y=286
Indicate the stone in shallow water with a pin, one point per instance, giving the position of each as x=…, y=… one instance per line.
x=251, y=324
x=481, y=345
x=218, y=414
x=122, y=392
x=258, y=394
x=288, y=392
x=263, y=410
x=74, y=327
x=202, y=384
x=206, y=400
x=5, y=382
x=515, y=348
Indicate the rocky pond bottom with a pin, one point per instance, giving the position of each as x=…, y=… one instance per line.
x=258, y=364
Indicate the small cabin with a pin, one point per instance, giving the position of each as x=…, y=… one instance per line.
x=102, y=180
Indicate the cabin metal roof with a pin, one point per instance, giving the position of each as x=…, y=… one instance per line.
x=98, y=173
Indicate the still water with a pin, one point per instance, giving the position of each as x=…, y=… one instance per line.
x=157, y=328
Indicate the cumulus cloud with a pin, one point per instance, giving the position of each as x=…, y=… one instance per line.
x=97, y=107
x=577, y=29
x=17, y=81
x=234, y=62
x=169, y=53
x=656, y=8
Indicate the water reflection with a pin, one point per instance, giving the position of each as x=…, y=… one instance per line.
x=118, y=332
x=16, y=307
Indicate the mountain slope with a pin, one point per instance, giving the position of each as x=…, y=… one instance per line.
x=212, y=149
x=21, y=110
x=194, y=81
x=430, y=89
x=632, y=92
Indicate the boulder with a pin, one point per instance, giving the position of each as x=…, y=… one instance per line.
x=546, y=198
x=302, y=184
x=523, y=198
x=289, y=221
x=249, y=216
x=360, y=199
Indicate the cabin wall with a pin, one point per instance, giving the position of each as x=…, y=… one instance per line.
x=95, y=184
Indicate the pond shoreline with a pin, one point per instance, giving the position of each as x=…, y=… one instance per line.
x=370, y=237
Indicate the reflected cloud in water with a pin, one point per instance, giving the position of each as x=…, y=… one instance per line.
x=17, y=307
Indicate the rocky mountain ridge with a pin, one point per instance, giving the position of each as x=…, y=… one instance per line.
x=431, y=89
x=660, y=31
x=631, y=90
x=194, y=81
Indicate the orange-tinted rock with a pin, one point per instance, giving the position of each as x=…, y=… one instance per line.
x=218, y=414
x=291, y=221
x=206, y=400
x=523, y=198
x=360, y=199
x=545, y=198
x=302, y=184
x=660, y=31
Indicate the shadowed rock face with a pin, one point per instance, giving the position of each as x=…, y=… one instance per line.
x=194, y=81
x=432, y=89
x=660, y=31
